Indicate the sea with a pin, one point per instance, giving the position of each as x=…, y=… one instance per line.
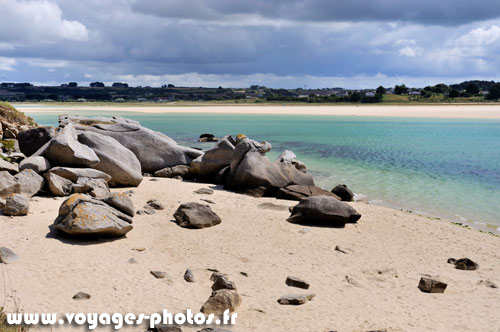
x=440, y=168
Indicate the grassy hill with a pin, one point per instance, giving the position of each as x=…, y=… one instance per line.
x=13, y=116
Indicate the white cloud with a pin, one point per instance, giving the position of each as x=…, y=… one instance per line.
x=37, y=21
x=47, y=63
x=480, y=37
x=7, y=63
x=410, y=51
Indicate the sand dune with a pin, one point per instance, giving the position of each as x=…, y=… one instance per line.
x=387, y=252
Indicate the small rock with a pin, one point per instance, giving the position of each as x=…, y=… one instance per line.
x=132, y=261
x=220, y=301
x=244, y=274
x=7, y=256
x=16, y=205
x=153, y=203
x=210, y=329
x=204, y=191
x=343, y=192
x=296, y=282
x=464, y=264
x=207, y=200
x=189, y=276
x=216, y=275
x=165, y=328
x=295, y=299
x=272, y=206
x=141, y=249
x=121, y=202
x=429, y=285
x=223, y=283
x=159, y=274
x=149, y=211
x=140, y=212
x=337, y=248
x=196, y=215
x=81, y=296
x=487, y=283
x=304, y=231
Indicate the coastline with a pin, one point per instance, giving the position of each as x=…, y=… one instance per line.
x=372, y=286
x=462, y=111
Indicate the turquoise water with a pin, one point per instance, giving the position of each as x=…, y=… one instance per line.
x=446, y=168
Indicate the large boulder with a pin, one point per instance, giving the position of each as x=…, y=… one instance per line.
x=82, y=215
x=196, y=215
x=121, y=202
x=65, y=150
x=343, y=192
x=97, y=188
x=323, y=210
x=288, y=156
x=16, y=205
x=8, y=184
x=58, y=185
x=9, y=167
x=33, y=139
x=171, y=172
x=154, y=150
x=298, y=192
x=29, y=182
x=255, y=170
x=115, y=159
x=74, y=174
x=215, y=159
x=38, y=164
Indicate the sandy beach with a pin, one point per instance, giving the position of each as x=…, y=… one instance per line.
x=373, y=286
x=428, y=111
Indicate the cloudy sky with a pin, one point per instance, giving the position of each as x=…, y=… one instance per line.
x=277, y=43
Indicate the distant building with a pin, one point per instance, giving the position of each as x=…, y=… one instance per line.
x=370, y=94
x=81, y=100
x=414, y=93
x=484, y=93
x=119, y=100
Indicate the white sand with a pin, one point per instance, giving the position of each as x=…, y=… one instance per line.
x=389, y=250
x=487, y=111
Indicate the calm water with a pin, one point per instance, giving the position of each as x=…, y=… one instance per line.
x=445, y=168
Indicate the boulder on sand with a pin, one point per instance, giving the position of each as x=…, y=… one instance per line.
x=215, y=159
x=220, y=301
x=8, y=184
x=58, y=185
x=64, y=149
x=298, y=192
x=16, y=205
x=323, y=210
x=196, y=215
x=29, y=182
x=121, y=202
x=82, y=215
x=33, y=139
x=343, y=192
x=12, y=168
x=154, y=150
x=171, y=172
x=115, y=159
x=74, y=174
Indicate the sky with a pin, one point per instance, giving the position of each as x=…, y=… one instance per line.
x=234, y=43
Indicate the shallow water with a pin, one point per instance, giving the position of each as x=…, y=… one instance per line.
x=441, y=167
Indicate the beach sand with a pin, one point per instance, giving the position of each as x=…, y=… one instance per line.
x=478, y=111
x=387, y=253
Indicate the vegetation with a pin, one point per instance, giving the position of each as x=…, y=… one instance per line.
x=4, y=327
x=11, y=115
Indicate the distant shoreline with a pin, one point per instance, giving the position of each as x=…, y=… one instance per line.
x=458, y=111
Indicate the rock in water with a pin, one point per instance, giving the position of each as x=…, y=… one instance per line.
x=430, y=285
x=16, y=205
x=7, y=256
x=464, y=264
x=296, y=282
x=115, y=159
x=323, y=210
x=154, y=150
x=295, y=299
x=207, y=138
x=33, y=139
x=196, y=215
x=297, y=192
x=343, y=192
x=64, y=149
x=220, y=301
x=38, y=164
x=58, y=185
x=82, y=215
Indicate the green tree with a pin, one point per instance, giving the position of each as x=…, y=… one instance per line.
x=454, y=93
x=494, y=92
x=400, y=89
x=472, y=89
x=380, y=90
